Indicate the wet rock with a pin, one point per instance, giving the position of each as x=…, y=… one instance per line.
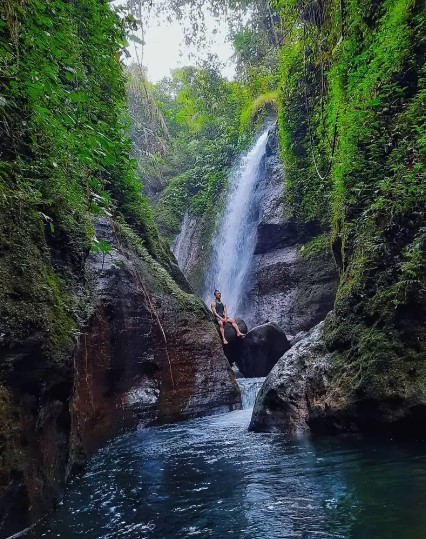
x=315, y=290
x=274, y=236
x=149, y=355
x=309, y=389
x=259, y=350
x=301, y=335
x=295, y=383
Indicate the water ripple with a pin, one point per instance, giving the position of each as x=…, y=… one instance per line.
x=211, y=478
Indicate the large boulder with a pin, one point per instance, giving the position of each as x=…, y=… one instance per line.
x=259, y=350
x=311, y=389
x=296, y=382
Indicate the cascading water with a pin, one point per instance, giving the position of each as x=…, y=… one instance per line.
x=235, y=239
x=182, y=245
x=249, y=389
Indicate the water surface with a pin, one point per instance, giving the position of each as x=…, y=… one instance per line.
x=211, y=478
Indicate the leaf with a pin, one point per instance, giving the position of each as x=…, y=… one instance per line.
x=42, y=111
x=100, y=246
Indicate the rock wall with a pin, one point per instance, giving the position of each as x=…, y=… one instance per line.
x=190, y=251
x=148, y=353
x=288, y=288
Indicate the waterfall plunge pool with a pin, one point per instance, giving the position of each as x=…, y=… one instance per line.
x=210, y=477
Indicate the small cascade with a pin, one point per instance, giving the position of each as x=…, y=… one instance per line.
x=182, y=245
x=249, y=389
x=235, y=239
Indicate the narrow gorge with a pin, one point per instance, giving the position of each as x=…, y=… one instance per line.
x=289, y=172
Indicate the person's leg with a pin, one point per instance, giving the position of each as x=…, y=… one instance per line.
x=235, y=326
x=222, y=332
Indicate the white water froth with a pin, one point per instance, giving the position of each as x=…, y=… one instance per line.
x=235, y=239
x=249, y=388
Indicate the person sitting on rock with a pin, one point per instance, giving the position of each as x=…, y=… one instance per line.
x=221, y=316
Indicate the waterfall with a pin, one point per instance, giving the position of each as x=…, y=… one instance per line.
x=235, y=238
x=249, y=389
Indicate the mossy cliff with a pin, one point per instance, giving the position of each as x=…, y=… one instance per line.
x=97, y=327
x=352, y=119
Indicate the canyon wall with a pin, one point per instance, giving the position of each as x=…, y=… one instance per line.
x=146, y=353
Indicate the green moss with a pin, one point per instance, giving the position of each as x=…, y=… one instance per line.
x=9, y=454
x=263, y=103
x=368, y=83
x=316, y=246
x=154, y=276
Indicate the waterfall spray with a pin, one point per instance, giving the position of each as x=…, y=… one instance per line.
x=235, y=238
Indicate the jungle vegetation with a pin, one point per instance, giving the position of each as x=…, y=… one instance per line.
x=347, y=79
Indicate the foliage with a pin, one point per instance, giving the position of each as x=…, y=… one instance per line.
x=201, y=110
x=315, y=246
x=192, y=16
x=64, y=160
x=352, y=119
x=265, y=103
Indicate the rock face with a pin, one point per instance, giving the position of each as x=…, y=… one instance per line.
x=191, y=248
x=257, y=353
x=292, y=290
x=294, y=386
x=148, y=353
x=188, y=244
x=309, y=389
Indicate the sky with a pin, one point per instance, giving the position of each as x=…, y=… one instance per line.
x=165, y=47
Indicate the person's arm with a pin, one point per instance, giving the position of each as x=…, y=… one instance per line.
x=225, y=312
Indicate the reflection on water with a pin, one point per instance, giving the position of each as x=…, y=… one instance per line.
x=211, y=478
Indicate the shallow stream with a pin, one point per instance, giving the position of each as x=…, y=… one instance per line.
x=210, y=477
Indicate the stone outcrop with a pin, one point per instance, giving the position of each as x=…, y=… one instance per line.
x=148, y=353
x=310, y=389
x=258, y=351
x=191, y=248
x=294, y=387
